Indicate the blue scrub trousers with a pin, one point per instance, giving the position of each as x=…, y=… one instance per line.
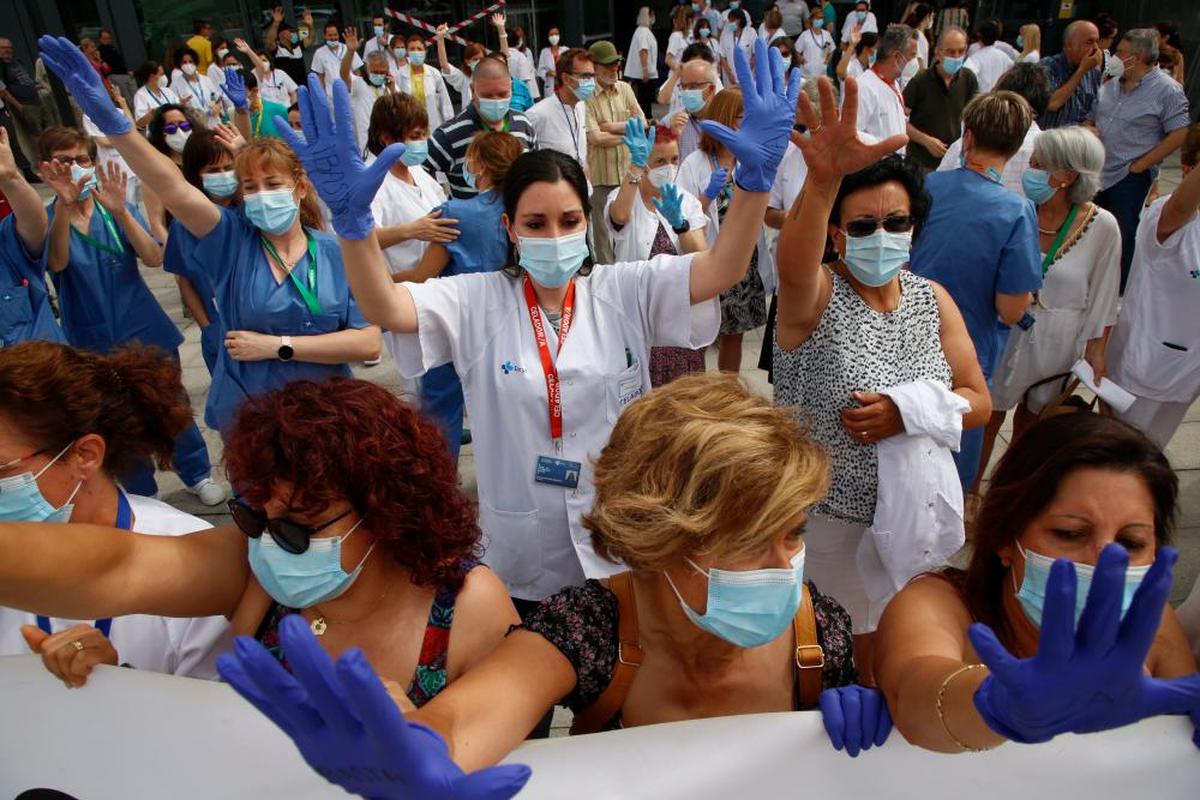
x=1125, y=199
x=442, y=401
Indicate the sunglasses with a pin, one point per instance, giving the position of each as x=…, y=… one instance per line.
x=172, y=127
x=83, y=161
x=291, y=536
x=898, y=223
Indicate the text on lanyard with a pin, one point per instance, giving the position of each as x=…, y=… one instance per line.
x=549, y=369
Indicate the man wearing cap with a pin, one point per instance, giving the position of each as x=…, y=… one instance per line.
x=613, y=104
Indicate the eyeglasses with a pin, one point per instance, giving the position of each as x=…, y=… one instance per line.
x=172, y=127
x=584, y=76
x=693, y=86
x=897, y=223
x=291, y=536
x=83, y=161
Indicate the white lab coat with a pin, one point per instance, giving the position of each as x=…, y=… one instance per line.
x=880, y=110
x=918, y=521
x=694, y=174
x=533, y=536
x=437, y=99
x=635, y=238
x=176, y=646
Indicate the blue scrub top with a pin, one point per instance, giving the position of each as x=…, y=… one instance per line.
x=178, y=259
x=104, y=301
x=25, y=311
x=482, y=243
x=249, y=299
x=980, y=240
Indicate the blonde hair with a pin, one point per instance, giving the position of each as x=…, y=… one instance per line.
x=702, y=466
x=725, y=108
x=998, y=120
x=272, y=155
x=1031, y=35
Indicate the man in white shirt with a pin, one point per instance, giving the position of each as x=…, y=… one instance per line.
x=641, y=66
x=364, y=93
x=881, y=110
x=560, y=119
x=863, y=18
x=381, y=38
x=815, y=45
x=698, y=83
x=989, y=62
x=327, y=60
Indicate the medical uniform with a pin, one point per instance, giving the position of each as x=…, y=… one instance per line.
x=146, y=100
x=200, y=96
x=881, y=111
x=633, y=240
x=362, y=102
x=250, y=299
x=105, y=304
x=437, y=99
x=177, y=260
x=278, y=88
x=172, y=645
x=398, y=202
x=25, y=311
x=484, y=323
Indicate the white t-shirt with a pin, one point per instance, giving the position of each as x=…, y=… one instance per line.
x=1003, y=47
x=815, y=46
x=278, y=88
x=327, y=61
x=171, y=645
x=988, y=64
x=880, y=111
x=635, y=238
x=1032, y=57
x=520, y=65
x=869, y=25
x=1013, y=170
x=560, y=127
x=677, y=43
x=145, y=101
x=643, y=39
x=397, y=203
x=694, y=174
x=437, y=99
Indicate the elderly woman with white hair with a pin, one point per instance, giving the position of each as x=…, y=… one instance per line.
x=1081, y=266
x=641, y=64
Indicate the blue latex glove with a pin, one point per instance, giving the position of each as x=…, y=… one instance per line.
x=72, y=67
x=329, y=153
x=638, y=142
x=1089, y=678
x=856, y=718
x=769, y=101
x=235, y=89
x=347, y=727
x=670, y=205
x=716, y=183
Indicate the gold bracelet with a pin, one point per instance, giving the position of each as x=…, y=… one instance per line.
x=941, y=695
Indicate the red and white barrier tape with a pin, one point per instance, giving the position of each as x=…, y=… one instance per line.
x=451, y=32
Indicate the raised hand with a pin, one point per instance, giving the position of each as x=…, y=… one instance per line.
x=235, y=89
x=670, y=205
x=277, y=15
x=442, y=31
x=832, y=148
x=1089, y=677
x=58, y=177
x=716, y=183
x=241, y=44
x=855, y=717
x=637, y=142
x=769, y=101
x=72, y=67
x=111, y=183
x=229, y=137
x=329, y=153
x=347, y=727
x=498, y=20
x=350, y=37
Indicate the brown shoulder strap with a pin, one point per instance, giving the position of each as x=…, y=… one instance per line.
x=810, y=656
x=629, y=658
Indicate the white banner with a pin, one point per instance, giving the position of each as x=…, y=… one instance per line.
x=132, y=735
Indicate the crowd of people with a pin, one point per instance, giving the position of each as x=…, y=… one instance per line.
x=934, y=225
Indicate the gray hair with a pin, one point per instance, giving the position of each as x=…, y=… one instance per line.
x=949, y=29
x=377, y=57
x=1143, y=42
x=1075, y=28
x=893, y=40
x=710, y=69
x=1074, y=148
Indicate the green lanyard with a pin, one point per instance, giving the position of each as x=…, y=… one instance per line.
x=483, y=126
x=1058, y=240
x=307, y=293
x=117, y=251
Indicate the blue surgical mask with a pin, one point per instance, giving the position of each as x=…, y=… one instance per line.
x=21, y=500
x=862, y=16
x=875, y=259
x=1032, y=593
x=378, y=29
x=469, y=179
x=302, y=580
x=1020, y=42
x=273, y=211
x=295, y=37
x=220, y=184
x=871, y=59
x=416, y=58
x=735, y=4
x=415, y=152
x=399, y=52
x=818, y=23
x=585, y=89
x=494, y=110
x=695, y=7
x=693, y=100
x=1036, y=183
x=376, y=78
x=748, y=608
x=552, y=262
x=952, y=65
x=332, y=45
x=705, y=33
x=78, y=173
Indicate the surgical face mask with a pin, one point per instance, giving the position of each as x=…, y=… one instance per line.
x=273, y=211
x=162, y=82
x=415, y=152
x=553, y=39
x=222, y=53
x=378, y=30
x=1032, y=594
x=399, y=52
x=188, y=69
x=877, y=258
x=660, y=176
x=585, y=89
x=552, y=262
x=952, y=65
x=416, y=57
x=692, y=99
x=494, y=110
x=1115, y=67
x=1036, y=183
x=177, y=140
x=705, y=33
x=695, y=7
x=910, y=69
x=735, y=4
x=220, y=184
x=818, y=23
x=377, y=79
x=748, y=608
x=871, y=59
x=302, y=580
x=78, y=173
x=295, y=37
x=332, y=43
x=862, y=16
x=471, y=65
x=469, y=179
x=1020, y=42
x=21, y=500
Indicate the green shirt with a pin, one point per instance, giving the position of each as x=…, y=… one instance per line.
x=936, y=109
x=261, y=123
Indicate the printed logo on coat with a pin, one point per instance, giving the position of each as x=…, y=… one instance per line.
x=508, y=368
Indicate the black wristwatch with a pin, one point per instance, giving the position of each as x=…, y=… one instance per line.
x=285, y=348
x=682, y=229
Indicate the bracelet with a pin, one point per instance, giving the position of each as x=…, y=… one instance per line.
x=941, y=695
x=633, y=177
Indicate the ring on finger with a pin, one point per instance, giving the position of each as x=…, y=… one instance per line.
x=77, y=644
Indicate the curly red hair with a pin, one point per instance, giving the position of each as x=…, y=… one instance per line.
x=350, y=439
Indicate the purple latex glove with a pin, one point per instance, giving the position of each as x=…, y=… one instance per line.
x=856, y=718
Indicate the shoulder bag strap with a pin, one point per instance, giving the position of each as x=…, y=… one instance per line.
x=629, y=658
x=810, y=656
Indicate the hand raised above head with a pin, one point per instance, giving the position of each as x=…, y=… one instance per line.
x=84, y=83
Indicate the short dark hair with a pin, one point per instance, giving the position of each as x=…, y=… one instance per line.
x=201, y=150
x=1031, y=82
x=249, y=78
x=989, y=31
x=199, y=25
x=546, y=166
x=868, y=39
x=885, y=170
x=566, y=62
x=697, y=50
x=144, y=71
x=394, y=114
x=739, y=16
x=186, y=51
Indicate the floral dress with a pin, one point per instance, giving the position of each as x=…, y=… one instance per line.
x=669, y=363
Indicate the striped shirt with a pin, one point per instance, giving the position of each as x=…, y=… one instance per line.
x=617, y=103
x=1134, y=120
x=448, y=145
x=1059, y=70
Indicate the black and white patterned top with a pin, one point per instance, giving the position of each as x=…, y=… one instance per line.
x=854, y=348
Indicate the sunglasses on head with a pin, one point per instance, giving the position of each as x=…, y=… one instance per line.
x=172, y=127
x=897, y=223
x=291, y=536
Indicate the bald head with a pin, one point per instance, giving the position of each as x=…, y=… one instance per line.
x=698, y=71
x=1080, y=38
x=489, y=68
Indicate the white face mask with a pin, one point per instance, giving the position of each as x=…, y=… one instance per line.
x=910, y=70
x=162, y=82
x=553, y=39
x=189, y=69
x=660, y=176
x=1115, y=67
x=177, y=140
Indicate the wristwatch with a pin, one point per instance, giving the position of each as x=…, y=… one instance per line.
x=285, y=348
x=682, y=229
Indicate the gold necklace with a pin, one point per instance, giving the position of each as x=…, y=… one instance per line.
x=320, y=623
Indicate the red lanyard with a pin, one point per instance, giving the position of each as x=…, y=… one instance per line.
x=553, y=395
x=891, y=85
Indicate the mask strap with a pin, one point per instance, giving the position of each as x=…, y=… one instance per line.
x=1012, y=573
x=351, y=531
x=78, y=486
x=51, y=462
x=674, y=589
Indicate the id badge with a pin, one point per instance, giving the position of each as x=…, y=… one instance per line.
x=1026, y=322
x=557, y=472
